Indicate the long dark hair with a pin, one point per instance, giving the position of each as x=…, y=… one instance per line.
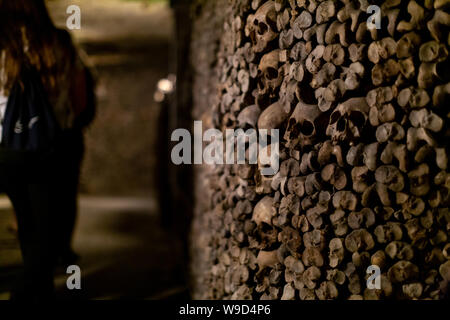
x=29, y=37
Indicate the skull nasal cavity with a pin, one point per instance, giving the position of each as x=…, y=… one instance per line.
x=262, y=28
x=272, y=73
x=357, y=118
x=307, y=128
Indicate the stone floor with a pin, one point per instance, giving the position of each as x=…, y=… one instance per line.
x=125, y=254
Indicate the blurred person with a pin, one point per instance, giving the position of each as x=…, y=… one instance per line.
x=46, y=99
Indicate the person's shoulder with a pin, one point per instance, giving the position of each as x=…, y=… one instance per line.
x=64, y=45
x=64, y=37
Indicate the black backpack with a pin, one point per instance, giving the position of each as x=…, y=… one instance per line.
x=29, y=122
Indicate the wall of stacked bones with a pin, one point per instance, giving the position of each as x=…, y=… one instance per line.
x=364, y=176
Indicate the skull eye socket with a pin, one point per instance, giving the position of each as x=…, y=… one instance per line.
x=272, y=22
x=357, y=118
x=307, y=128
x=262, y=28
x=335, y=117
x=272, y=73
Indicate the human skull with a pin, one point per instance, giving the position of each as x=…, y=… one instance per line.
x=419, y=180
x=347, y=122
x=270, y=74
x=303, y=125
x=261, y=27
